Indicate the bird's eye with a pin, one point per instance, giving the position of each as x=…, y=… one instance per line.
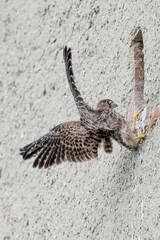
x=108, y=101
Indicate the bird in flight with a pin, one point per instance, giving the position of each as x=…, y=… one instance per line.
x=78, y=141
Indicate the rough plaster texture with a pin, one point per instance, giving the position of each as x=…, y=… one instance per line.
x=116, y=196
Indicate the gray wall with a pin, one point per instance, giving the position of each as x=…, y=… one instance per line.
x=116, y=196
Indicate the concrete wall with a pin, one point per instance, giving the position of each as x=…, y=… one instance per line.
x=116, y=196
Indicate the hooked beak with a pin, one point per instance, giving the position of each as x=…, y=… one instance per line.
x=114, y=105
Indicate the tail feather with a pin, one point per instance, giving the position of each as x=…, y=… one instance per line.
x=108, y=145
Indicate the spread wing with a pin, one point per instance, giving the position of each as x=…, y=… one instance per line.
x=90, y=118
x=83, y=108
x=68, y=141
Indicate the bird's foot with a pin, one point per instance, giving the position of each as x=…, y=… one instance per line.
x=135, y=119
x=142, y=136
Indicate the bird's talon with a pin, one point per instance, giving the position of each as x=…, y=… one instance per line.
x=136, y=117
x=142, y=136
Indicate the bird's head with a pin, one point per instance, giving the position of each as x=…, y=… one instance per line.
x=105, y=104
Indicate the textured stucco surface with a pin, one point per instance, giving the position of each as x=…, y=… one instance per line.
x=116, y=196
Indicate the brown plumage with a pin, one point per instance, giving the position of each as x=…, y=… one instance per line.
x=78, y=141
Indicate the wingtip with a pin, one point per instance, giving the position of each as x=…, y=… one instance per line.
x=23, y=153
x=66, y=49
x=65, y=53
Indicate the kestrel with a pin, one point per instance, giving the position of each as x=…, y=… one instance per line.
x=78, y=141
